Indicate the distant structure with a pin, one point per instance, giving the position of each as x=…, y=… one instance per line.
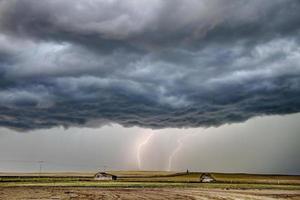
x=207, y=178
x=100, y=176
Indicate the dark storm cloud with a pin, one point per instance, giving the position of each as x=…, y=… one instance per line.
x=147, y=63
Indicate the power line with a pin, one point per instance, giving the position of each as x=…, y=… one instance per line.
x=41, y=163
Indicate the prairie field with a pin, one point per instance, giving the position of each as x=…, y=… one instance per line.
x=91, y=193
x=147, y=185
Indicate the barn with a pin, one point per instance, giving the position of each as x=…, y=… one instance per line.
x=207, y=178
x=104, y=176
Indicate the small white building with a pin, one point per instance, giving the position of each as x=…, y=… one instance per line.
x=100, y=176
x=207, y=178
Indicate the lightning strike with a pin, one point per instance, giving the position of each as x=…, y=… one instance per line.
x=176, y=150
x=140, y=148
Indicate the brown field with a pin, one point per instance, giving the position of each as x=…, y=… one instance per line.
x=147, y=185
x=43, y=193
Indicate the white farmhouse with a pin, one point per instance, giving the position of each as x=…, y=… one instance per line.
x=207, y=178
x=104, y=176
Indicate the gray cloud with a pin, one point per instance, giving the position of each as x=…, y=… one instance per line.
x=153, y=64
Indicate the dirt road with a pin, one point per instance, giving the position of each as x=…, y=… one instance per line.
x=43, y=193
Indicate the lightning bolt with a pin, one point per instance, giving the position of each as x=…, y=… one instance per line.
x=176, y=150
x=140, y=148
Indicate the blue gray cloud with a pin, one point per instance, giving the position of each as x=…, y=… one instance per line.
x=155, y=64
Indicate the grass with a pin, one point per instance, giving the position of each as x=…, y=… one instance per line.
x=141, y=179
x=117, y=184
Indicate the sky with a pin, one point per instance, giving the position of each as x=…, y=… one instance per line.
x=118, y=76
x=261, y=145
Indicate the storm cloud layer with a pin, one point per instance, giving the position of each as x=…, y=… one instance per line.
x=157, y=64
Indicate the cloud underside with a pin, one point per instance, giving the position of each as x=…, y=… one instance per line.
x=155, y=64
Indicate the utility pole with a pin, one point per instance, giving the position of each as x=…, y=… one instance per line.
x=41, y=167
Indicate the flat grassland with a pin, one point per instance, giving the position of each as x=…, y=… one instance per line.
x=147, y=185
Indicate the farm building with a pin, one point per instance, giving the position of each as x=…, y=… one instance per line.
x=104, y=176
x=207, y=178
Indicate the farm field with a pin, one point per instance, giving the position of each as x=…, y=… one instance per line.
x=90, y=193
x=147, y=185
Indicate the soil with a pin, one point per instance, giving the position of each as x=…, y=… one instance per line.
x=66, y=193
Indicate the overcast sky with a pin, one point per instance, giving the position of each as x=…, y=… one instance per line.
x=125, y=69
x=260, y=145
